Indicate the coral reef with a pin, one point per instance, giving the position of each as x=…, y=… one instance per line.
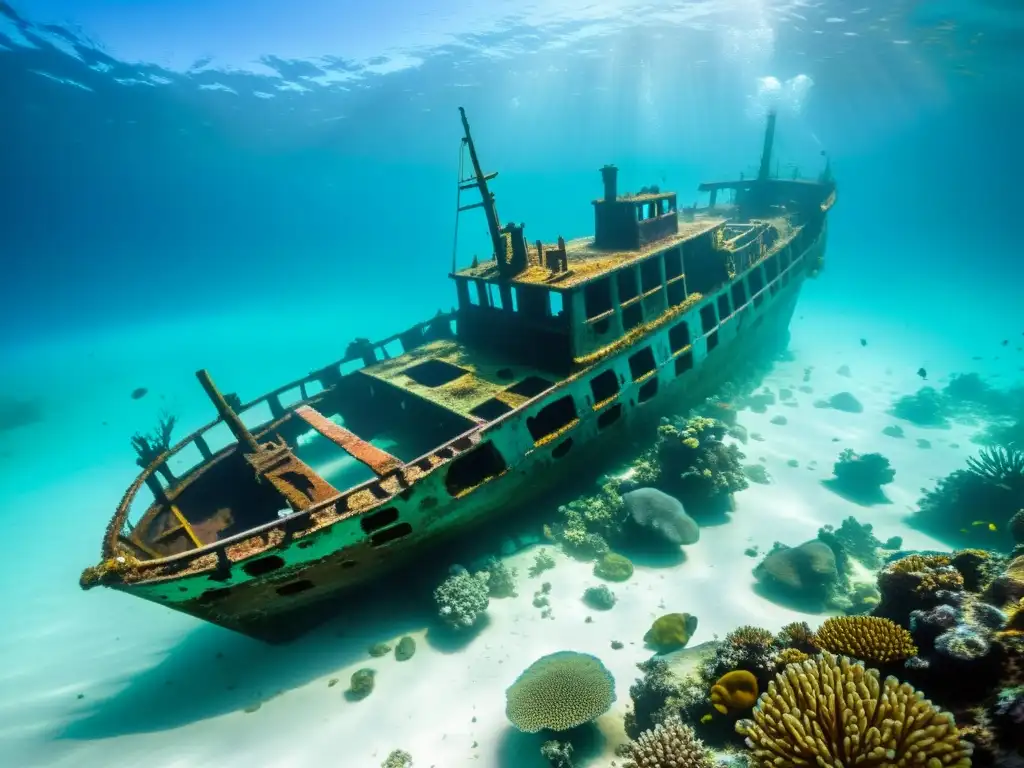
x=697, y=467
x=662, y=515
x=651, y=694
x=462, y=598
x=925, y=408
x=975, y=505
x=856, y=540
x=871, y=639
x=613, y=567
x=542, y=561
x=671, y=632
x=599, y=598
x=860, y=477
x=794, y=718
x=589, y=523
x=670, y=744
x=558, y=692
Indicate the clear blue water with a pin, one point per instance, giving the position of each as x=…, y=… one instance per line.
x=245, y=187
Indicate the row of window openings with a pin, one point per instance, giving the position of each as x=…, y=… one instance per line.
x=634, y=281
x=555, y=304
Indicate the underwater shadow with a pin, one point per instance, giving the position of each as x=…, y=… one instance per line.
x=866, y=498
x=652, y=553
x=784, y=598
x=213, y=672
x=522, y=750
x=445, y=639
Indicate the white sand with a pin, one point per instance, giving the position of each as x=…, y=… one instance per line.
x=156, y=693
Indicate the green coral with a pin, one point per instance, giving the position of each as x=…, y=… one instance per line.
x=361, y=684
x=699, y=468
x=613, y=567
x=542, y=561
x=398, y=759
x=462, y=598
x=558, y=692
x=405, y=649
x=599, y=598
x=589, y=522
x=501, y=580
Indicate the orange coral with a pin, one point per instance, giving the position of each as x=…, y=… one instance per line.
x=736, y=690
x=869, y=638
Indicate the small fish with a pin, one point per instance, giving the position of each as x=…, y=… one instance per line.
x=706, y=719
x=922, y=373
x=1005, y=342
x=139, y=393
x=863, y=342
x=990, y=526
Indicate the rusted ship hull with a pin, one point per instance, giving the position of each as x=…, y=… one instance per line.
x=316, y=556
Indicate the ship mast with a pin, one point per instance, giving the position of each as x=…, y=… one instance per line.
x=479, y=180
x=766, y=154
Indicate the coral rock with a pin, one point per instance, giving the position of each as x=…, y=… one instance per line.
x=558, y=692
x=662, y=514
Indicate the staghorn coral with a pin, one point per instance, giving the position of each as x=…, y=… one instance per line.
x=831, y=712
x=558, y=692
x=590, y=522
x=670, y=744
x=867, y=638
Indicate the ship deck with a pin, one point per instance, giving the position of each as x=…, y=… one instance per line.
x=586, y=262
x=462, y=380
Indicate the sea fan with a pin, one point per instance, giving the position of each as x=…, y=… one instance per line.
x=999, y=465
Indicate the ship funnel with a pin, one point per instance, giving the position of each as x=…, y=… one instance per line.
x=610, y=177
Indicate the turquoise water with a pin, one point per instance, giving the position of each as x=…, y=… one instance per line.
x=247, y=188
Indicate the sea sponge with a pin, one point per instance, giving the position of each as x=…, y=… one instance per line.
x=832, y=712
x=613, y=567
x=736, y=690
x=868, y=638
x=671, y=631
x=558, y=692
x=661, y=514
x=668, y=745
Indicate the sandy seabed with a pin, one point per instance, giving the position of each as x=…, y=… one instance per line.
x=100, y=679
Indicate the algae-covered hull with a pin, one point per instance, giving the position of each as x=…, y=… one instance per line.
x=553, y=356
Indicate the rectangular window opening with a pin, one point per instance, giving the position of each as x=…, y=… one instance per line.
x=684, y=363
x=597, y=297
x=604, y=386
x=739, y=295
x=609, y=416
x=641, y=363
x=632, y=316
x=673, y=264
x=647, y=390
x=628, y=288
x=679, y=336
x=677, y=292
x=723, y=306
x=552, y=418
x=650, y=274
x=707, y=318
x=712, y=340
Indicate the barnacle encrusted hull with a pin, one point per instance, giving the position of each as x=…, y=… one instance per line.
x=831, y=711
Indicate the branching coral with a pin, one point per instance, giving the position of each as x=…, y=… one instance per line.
x=151, y=446
x=831, y=712
x=501, y=579
x=868, y=638
x=462, y=598
x=861, y=476
x=999, y=465
x=588, y=523
x=650, y=694
x=698, y=466
x=558, y=692
x=670, y=744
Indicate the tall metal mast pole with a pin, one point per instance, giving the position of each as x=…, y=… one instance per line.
x=490, y=209
x=766, y=154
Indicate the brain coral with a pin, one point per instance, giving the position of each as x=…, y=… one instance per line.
x=868, y=638
x=831, y=712
x=558, y=692
x=668, y=745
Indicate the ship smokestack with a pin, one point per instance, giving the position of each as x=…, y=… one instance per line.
x=610, y=177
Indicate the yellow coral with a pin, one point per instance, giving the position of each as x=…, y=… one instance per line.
x=691, y=442
x=748, y=635
x=927, y=573
x=870, y=638
x=736, y=690
x=831, y=712
x=918, y=563
x=790, y=656
x=797, y=634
